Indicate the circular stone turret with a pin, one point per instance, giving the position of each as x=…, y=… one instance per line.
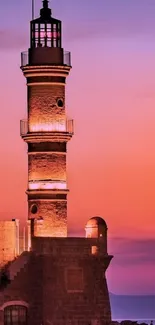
x=96, y=227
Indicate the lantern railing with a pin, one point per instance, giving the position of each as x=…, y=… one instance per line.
x=24, y=59
x=58, y=126
x=66, y=58
x=23, y=127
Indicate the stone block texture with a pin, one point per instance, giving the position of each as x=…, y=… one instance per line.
x=8, y=241
x=62, y=283
x=42, y=106
x=53, y=218
x=47, y=160
x=47, y=166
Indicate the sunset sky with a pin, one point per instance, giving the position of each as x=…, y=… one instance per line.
x=111, y=97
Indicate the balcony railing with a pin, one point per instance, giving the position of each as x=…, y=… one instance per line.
x=25, y=58
x=58, y=126
x=67, y=58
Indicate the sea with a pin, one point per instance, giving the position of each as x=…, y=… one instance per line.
x=139, y=321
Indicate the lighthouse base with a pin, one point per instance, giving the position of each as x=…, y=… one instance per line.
x=62, y=281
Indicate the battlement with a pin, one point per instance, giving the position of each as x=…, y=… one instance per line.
x=69, y=246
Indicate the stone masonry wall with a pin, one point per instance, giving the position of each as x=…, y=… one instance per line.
x=8, y=242
x=47, y=166
x=54, y=214
x=70, y=245
x=62, y=288
x=26, y=287
x=42, y=105
x=79, y=291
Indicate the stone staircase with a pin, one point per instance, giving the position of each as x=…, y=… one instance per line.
x=12, y=269
x=18, y=264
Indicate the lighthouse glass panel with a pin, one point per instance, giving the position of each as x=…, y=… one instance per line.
x=46, y=34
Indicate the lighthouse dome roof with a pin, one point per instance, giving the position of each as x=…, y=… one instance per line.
x=95, y=222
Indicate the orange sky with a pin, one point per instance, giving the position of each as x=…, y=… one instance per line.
x=111, y=158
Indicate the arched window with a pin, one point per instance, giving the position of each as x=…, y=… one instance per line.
x=15, y=315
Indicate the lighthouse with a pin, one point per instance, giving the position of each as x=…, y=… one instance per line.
x=60, y=280
x=47, y=130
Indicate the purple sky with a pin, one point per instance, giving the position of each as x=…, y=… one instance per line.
x=111, y=96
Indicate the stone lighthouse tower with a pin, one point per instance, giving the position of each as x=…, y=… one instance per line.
x=61, y=280
x=47, y=129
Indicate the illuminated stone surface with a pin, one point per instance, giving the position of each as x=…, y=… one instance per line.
x=9, y=241
x=96, y=227
x=47, y=185
x=54, y=215
x=43, y=109
x=47, y=158
x=60, y=280
x=47, y=166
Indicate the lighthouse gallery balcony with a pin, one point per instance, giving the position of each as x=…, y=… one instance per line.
x=45, y=56
x=53, y=127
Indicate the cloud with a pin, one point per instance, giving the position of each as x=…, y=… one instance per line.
x=106, y=28
x=12, y=39
x=127, y=251
x=133, y=251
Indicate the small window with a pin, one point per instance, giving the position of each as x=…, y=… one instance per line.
x=34, y=209
x=15, y=315
x=94, y=250
x=60, y=102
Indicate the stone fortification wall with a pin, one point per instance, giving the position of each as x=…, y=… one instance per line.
x=9, y=241
x=70, y=246
x=62, y=283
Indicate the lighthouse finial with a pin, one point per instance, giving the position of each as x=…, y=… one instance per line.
x=45, y=11
x=45, y=3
